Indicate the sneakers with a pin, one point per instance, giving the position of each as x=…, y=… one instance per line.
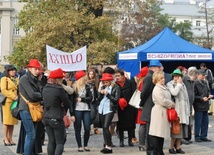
x=197, y=140
x=180, y=151
x=106, y=151
x=172, y=151
x=205, y=140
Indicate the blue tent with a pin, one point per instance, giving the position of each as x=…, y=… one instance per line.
x=165, y=46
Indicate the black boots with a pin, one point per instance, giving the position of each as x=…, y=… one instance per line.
x=130, y=142
x=122, y=144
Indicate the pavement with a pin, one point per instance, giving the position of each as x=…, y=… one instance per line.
x=96, y=143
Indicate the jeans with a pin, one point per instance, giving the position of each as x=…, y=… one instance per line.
x=201, y=124
x=56, y=135
x=106, y=122
x=30, y=131
x=85, y=117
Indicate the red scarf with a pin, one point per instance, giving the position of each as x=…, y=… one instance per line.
x=121, y=83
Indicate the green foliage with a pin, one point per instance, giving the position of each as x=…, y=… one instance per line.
x=64, y=25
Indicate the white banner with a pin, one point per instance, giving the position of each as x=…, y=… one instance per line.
x=66, y=61
x=179, y=56
x=128, y=56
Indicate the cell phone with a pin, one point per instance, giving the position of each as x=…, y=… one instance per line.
x=209, y=98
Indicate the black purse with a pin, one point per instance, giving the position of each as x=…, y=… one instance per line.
x=94, y=110
x=15, y=110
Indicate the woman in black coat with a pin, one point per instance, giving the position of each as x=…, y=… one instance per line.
x=126, y=113
x=55, y=101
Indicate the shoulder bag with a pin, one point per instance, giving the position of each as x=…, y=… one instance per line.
x=15, y=110
x=36, y=110
x=3, y=97
x=176, y=127
x=172, y=115
x=67, y=121
x=135, y=99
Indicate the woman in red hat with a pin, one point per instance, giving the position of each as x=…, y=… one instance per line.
x=54, y=96
x=82, y=99
x=108, y=97
x=30, y=88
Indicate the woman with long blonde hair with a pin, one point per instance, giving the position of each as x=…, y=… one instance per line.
x=82, y=99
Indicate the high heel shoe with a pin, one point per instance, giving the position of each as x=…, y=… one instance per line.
x=87, y=149
x=12, y=143
x=142, y=148
x=6, y=144
x=96, y=131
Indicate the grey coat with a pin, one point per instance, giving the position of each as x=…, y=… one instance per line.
x=182, y=106
x=190, y=85
x=29, y=87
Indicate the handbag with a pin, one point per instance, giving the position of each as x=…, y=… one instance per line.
x=35, y=109
x=135, y=99
x=97, y=121
x=2, y=99
x=15, y=110
x=67, y=121
x=172, y=115
x=176, y=127
x=94, y=110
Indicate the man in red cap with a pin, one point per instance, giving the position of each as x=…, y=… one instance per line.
x=30, y=89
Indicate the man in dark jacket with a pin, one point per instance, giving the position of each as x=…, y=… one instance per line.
x=189, y=81
x=209, y=75
x=201, y=107
x=146, y=100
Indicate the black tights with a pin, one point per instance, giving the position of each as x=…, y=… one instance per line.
x=106, y=122
x=130, y=135
x=158, y=145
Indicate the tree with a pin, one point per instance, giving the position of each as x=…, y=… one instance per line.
x=144, y=20
x=67, y=26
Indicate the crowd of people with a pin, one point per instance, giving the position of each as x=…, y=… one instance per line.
x=94, y=100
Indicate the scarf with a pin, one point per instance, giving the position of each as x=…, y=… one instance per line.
x=121, y=83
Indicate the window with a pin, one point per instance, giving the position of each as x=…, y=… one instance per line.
x=15, y=28
x=198, y=23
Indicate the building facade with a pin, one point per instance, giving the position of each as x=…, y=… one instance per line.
x=9, y=33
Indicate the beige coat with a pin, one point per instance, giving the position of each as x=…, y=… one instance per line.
x=159, y=125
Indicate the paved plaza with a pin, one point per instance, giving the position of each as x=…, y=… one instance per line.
x=96, y=142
